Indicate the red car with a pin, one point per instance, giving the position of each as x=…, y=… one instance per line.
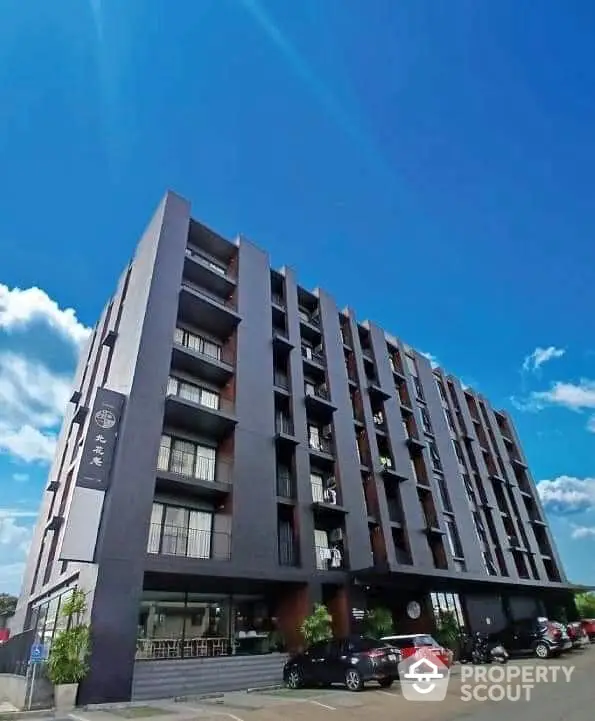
x=414, y=642
x=577, y=634
x=588, y=625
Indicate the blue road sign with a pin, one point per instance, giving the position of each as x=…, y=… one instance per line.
x=37, y=653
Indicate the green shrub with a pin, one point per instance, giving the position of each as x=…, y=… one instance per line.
x=68, y=661
x=318, y=625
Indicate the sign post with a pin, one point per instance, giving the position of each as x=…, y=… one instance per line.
x=36, y=656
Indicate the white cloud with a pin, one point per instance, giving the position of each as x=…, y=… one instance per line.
x=19, y=308
x=583, y=532
x=32, y=401
x=540, y=356
x=434, y=362
x=575, y=396
x=27, y=444
x=20, y=477
x=567, y=494
x=591, y=424
x=10, y=576
x=13, y=533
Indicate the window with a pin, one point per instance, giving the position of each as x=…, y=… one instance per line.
x=435, y=457
x=187, y=459
x=444, y=493
x=321, y=544
x=410, y=363
x=317, y=484
x=418, y=389
x=197, y=343
x=425, y=419
x=441, y=390
x=193, y=393
x=178, y=531
x=450, y=420
x=458, y=451
x=454, y=541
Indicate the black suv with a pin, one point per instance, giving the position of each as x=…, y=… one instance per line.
x=539, y=636
x=350, y=661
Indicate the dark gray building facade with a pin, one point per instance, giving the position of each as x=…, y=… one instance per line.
x=238, y=447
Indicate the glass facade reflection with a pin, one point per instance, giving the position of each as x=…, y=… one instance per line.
x=191, y=625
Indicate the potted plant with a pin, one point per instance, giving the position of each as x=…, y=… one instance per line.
x=448, y=633
x=68, y=660
x=378, y=622
x=318, y=625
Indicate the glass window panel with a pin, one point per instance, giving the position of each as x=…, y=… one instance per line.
x=155, y=528
x=209, y=399
x=205, y=463
x=317, y=487
x=200, y=528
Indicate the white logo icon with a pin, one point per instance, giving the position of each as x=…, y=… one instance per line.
x=105, y=419
x=423, y=677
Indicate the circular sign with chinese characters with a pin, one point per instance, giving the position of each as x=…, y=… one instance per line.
x=413, y=610
x=105, y=419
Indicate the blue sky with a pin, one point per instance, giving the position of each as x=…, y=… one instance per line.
x=446, y=148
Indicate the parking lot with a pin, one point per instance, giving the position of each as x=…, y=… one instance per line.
x=554, y=700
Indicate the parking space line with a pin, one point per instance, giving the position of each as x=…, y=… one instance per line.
x=318, y=703
x=387, y=693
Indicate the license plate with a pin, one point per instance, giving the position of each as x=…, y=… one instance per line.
x=392, y=657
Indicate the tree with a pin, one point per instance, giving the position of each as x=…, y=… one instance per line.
x=378, y=622
x=447, y=630
x=69, y=652
x=585, y=604
x=318, y=625
x=8, y=604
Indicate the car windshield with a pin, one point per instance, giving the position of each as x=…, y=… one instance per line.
x=424, y=641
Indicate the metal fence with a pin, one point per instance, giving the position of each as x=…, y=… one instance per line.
x=14, y=653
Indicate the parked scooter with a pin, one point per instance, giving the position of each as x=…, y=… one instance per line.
x=478, y=649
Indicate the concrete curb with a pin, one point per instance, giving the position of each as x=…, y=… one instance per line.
x=35, y=713
x=272, y=687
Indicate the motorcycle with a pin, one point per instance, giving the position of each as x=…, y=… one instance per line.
x=478, y=649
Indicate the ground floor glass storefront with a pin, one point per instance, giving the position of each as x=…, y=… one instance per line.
x=193, y=625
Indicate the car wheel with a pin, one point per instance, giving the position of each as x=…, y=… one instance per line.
x=385, y=682
x=542, y=650
x=353, y=680
x=294, y=679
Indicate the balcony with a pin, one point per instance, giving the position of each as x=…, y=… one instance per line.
x=314, y=356
x=216, y=314
x=199, y=411
x=278, y=300
x=192, y=471
x=387, y=468
x=321, y=447
x=202, y=358
x=80, y=414
x=281, y=340
x=285, y=485
x=209, y=273
x=281, y=381
x=165, y=540
x=517, y=461
x=284, y=430
x=330, y=558
x=310, y=324
x=432, y=524
x=412, y=438
x=289, y=553
x=318, y=398
x=375, y=390
x=325, y=496
x=379, y=422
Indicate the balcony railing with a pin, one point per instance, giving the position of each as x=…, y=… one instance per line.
x=281, y=380
x=278, y=299
x=320, y=391
x=205, y=260
x=169, y=540
x=311, y=318
x=200, y=396
x=329, y=558
x=288, y=554
x=285, y=485
x=202, y=347
x=313, y=354
x=227, y=302
x=323, y=445
x=193, y=465
x=284, y=425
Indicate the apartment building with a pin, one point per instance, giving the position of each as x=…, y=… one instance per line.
x=237, y=448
